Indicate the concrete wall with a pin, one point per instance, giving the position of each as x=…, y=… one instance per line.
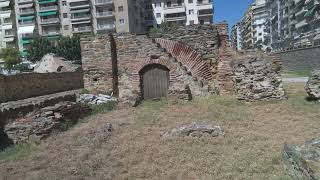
x=304, y=59
x=22, y=86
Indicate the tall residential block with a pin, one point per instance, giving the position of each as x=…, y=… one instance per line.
x=183, y=12
x=7, y=25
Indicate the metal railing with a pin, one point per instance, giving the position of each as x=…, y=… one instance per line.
x=82, y=28
x=106, y=26
x=104, y=13
x=26, y=11
x=44, y=8
x=51, y=32
x=50, y=20
x=80, y=16
x=104, y=1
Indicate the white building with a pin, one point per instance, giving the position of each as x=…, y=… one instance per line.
x=183, y=12
x=7, y=26
x=260, y=16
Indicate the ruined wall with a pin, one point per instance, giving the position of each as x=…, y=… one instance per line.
x=202, y=38
x=22, y=86
x=257, y=78
x=134, y=52
x=302, y=59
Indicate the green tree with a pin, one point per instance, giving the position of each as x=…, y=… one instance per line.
x=38, y=48
x=11, y=57
x=69, y=48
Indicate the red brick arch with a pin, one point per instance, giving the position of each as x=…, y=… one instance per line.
x=189, y=58
x=162, y=61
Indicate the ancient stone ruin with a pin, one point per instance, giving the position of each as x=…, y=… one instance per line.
x=257, y=78
x=43, y=122
x=181, y=63
x=313, y=85
x=303, y=162
x=194, y=130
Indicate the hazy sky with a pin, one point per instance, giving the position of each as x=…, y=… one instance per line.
x=230, y=10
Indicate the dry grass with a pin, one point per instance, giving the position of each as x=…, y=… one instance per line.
x=251, y=149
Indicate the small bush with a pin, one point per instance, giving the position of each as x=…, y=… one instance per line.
x=109, y=106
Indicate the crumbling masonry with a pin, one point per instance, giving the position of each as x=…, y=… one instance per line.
x=197, y=59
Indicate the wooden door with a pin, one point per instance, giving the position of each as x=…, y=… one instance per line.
x=155, y=83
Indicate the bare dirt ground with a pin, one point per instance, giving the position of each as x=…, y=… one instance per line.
x=251, y=148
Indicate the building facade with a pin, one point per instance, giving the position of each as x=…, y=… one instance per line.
x=279, y=25
x=7, y=25
x=183, y=12
x=55, y=18
x=235, y=37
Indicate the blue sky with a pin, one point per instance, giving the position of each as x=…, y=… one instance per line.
x=230, y=10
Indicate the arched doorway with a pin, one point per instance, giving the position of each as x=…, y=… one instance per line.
x=154, y=79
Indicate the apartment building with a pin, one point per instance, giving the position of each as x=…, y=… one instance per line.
x=235, y=37
x=260, y=16
x=294, y=23
x=7, y=25
x=247, y=30
x=183, y=12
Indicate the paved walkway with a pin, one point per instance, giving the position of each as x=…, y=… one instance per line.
x=296, y=80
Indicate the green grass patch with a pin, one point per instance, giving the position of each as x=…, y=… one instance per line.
x=102, y=108
x=16, y=152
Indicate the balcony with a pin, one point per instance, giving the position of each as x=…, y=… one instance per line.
x=51, y=33
x=26, y=23
x=203, y=6
x=48, y=8
x=106, y=26
x=26, y=11
x=181, y=18
x=174, y=9
x=82, y=29
x=77, y=5
x=25, y=1
x=80, y=16
x=46, y=1
x=206, y=12
x=105, y=14
x=103, y=2
x=50, y=20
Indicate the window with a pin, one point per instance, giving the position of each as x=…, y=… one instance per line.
x=65, y=15
x=158, y=4
x=66, y=27
x=190, y=1
x=64, y=3
x=158, y=15
x=120, y=8
x=168, y=4
x=121, y=21
x=191, y=11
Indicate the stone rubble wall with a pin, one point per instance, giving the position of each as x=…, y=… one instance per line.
x=312, y=86
x=257, y=78
x=22, y=86
x=204, y=39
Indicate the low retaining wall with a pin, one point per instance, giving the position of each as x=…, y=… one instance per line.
x=300, y=59
x=22, y=86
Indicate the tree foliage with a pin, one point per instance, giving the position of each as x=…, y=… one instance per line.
x=38, y=48
x=11, y=57
x=69, y=48
x=162, y=28
x=66, y=47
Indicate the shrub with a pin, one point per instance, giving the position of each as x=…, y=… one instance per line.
x=38, y=48
x=11, y=57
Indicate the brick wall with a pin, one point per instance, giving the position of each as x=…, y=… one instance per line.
x=303, y=59
x=134, y=52
x=22, y=86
